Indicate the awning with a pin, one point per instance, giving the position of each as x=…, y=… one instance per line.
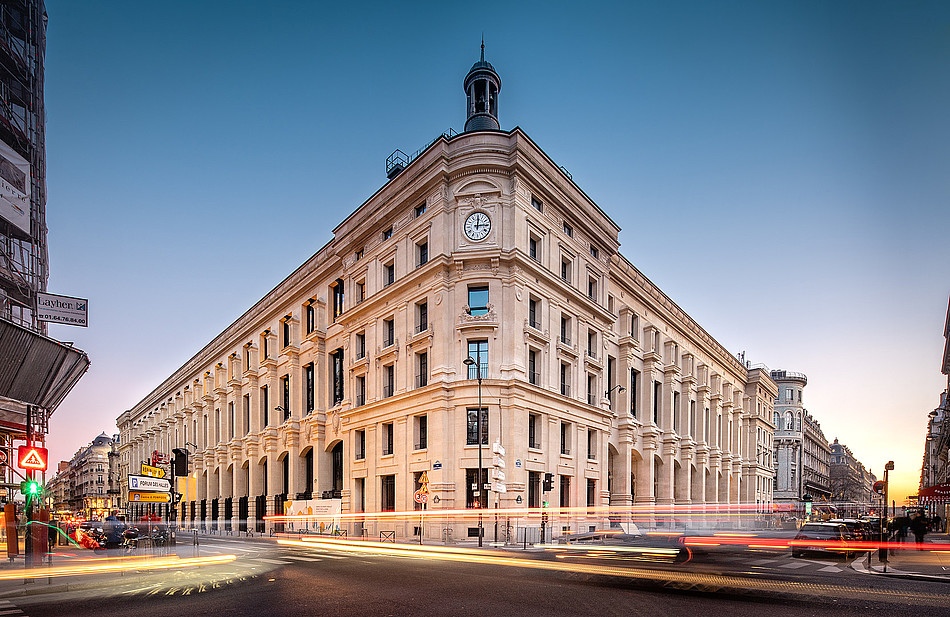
x=36, y=369
x=938, y=493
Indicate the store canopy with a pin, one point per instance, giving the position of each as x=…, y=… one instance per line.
x=36, y=369
x=938, y=493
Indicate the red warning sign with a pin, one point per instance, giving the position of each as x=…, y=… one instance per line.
x=31, y=457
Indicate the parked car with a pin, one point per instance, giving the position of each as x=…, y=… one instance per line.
x=822, y=532
x=859, y=529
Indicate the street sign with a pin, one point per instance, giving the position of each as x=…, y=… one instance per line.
x=146, y=483
x=31, y=457
x=499, y=488
x=420, y=497
x=159, y=458
x=155, y=472
x=135, y=496
x=424, y=478
x=879, y=487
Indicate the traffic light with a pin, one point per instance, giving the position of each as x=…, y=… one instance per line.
x=548, y=482
x=30, y=488
x=180, y=462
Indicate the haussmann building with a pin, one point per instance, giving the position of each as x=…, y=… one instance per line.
x=347, y=384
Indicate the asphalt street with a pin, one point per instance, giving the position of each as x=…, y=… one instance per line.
x=270, y=579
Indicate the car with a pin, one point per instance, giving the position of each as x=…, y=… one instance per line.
x=822, y=533
x=616, y=545
x=859, y=529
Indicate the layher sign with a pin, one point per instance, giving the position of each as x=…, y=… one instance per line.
x=62, y=309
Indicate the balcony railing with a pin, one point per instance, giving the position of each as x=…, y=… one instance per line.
x=565, y=389
x=388, y=390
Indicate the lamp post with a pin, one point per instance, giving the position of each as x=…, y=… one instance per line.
x=469, y=361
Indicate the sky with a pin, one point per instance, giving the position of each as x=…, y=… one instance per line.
x=779, y=169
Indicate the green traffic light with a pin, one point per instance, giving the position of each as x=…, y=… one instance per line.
x=30, y=487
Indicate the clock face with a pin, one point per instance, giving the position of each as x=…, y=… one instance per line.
x=477, y=226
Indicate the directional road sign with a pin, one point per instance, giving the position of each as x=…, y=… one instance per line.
x=145, y=483
x=155, y=472
x=135, y=496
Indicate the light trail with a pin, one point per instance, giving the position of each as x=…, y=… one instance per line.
x=161, y=563
x=678, y=579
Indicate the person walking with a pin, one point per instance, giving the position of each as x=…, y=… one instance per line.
x=919, y=526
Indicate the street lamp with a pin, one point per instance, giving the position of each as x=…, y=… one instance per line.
x=469, y=361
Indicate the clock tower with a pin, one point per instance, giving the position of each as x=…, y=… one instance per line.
x=482, y=85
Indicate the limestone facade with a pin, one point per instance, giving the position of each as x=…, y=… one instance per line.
x=347, y=380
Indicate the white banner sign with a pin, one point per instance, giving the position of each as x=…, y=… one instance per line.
x=148, y=483
x=14, y=188
x=62, y=309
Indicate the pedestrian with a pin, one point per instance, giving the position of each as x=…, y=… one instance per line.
x=935, y=524
x=919, y=526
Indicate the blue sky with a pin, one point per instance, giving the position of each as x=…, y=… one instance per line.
x=779, y=169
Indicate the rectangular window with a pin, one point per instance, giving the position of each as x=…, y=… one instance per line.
x=566, y=270
x=565, y=330
x=478, y=351
x=471, y=433
x=336, y=366
x=359, y=448
x=565, y=438
x=387, y=234
x=634, y=391
x=534, y=489
x=389, y=380
x=533, y=313
x=337, y=293
x=592, y=288
x=422, y=369
x=231, y=420
x=310, y=386
x=247, y=415
x=360, y=345
x=387, y=441
x=591, y=444
x=264, y=406
x=635, y=327
x=594, y=252
x=676, y=411
x=565, y=380
x=247, y=357
x=389, y=332
x=475, y=492
x=358, y=254
x=592, y=343
x=478, y=300
x=591, y=492
x=419, y=210
x=421, y=430
x=422, y=254
x=534, y=248
x=568, y=231
x=311, y=316
x=389, y=274
x=536, y=204
x=534, y=377
x=265, y=352
x=565, y=491
x=387, y=493
x=285, y=326
x=692, y=418
x=360, y=291
x=534, y=425
x=422, y=317
x=360, y=391
x=656, y=403
x=285, y=396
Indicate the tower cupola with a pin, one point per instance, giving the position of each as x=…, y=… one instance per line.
x=482, y=85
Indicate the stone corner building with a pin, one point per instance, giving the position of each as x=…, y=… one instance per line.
x=347, y=381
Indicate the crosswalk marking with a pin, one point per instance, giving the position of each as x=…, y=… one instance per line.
x=277, y=562
x=762, y=562
x=795, y=564
x=10, y=611
x=829, y=569
x=299, y=558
